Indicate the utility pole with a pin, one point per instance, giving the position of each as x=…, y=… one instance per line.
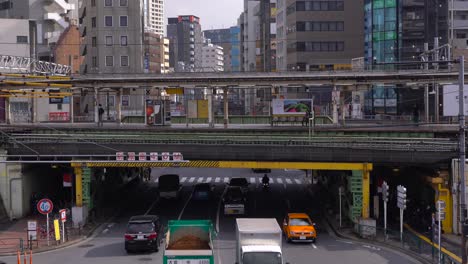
x=461, y=162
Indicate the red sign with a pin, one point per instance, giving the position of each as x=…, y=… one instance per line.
x=154, y=156
x=166, y=156
x=119, y=156
x=45, y=206
x=177, y=156
x=63, y=215
x=131, y=156
x=142, y=156
x=67, y=180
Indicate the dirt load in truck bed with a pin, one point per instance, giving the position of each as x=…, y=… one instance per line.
x=189, y=242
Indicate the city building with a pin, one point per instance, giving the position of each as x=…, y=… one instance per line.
x=154, y=16
x=248, y=23
x=221, y=37
x=186, y=43
x=212, y=58
x=67, y=49
x=235, y=56
x=50, y=19
x=21, y=43
x=458, y=27
x=396, y=31
x=113, y=36
x=319, y=35
x=156, y=53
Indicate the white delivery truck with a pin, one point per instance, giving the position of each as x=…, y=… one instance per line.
x=258, y=241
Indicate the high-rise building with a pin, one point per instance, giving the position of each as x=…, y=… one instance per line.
x=235, y=56
x=186, y=42
x=113, y=36
x=154, y=16
x=212, y=58
x=51, y=18
x=319, y=35
x=248, y=23
x=458, y=27
x=221, y=37
x=156, y=53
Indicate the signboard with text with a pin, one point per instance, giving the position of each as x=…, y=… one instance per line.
x=291, y=106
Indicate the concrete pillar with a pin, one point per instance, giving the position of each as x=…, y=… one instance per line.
x=15, y=199
x=96, y=106
x=7, y=111
x=226, y=108
x=72, y=108
x=335, y=99
x=210, y=107
x=119, y=105
x=426, y=87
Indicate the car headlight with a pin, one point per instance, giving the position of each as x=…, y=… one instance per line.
x=312, y=232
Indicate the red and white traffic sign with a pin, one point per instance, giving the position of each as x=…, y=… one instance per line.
x=154, y=156
x=63, y=215
x=142, y=156
x=45, y=206
x=119, y=156
x=166, y=156
x=177, y=156
x=131, y=156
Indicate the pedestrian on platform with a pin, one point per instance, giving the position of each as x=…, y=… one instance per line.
x=100, y=113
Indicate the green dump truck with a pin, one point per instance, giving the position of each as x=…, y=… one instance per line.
x=189, y=241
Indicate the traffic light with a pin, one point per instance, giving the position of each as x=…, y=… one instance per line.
x=385, y=191
x=401, y=197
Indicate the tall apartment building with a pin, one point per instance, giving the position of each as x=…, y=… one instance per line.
x=113, y=36
x=185, y=36
x=248, y=23
x=235, y=56
x=458, y=27
x=50, y=18
x=221, y=37
x=319, y=35
x=212, y=58
x=153, y=11
x=156, y=53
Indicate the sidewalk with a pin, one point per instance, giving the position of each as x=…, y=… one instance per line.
x=12, y=234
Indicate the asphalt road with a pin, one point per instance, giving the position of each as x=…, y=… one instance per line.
x=285, y=195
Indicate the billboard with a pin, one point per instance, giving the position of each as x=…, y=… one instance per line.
x=291, y=106
x=451, y=100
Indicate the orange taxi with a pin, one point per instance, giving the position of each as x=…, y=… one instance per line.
x=298, y=227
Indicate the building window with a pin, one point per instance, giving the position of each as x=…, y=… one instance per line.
x=93, y=22
x=108, y=2
x=93, y=2
x=94, y=42
x=123, y=41
x=108, y=21
x=21, y=39
x=94, y=61
x=123, y=21
x=124, y=61
x=109, y=61
x=109, y=41
x=123, y=2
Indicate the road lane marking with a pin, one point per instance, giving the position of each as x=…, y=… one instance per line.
x=288, y=181
x=185, y=205
x=192, y=179
x=217, y=179
x=184, y=179
x=347, y=242
x=152, y=205
x=226, y=179
x=371, y=247
x=314, y=246
x=208, y=179
x=156, y=180
x=200, y=180
x=297, y=181
x=279, y=180
x=105, y=230
x=252, y=180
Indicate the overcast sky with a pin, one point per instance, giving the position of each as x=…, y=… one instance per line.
x=213, y=14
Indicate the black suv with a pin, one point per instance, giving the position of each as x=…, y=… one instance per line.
x=143, y=233
x=240, y=182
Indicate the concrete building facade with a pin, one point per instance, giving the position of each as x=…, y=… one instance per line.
x=185, y=36
x=319, y=35
x=221, y=37
x=21, y=42
x=213, y=58
x=156, y=53
x=113, y=36
x=235, y=49
x=67, y=50
x=249, y=24
x=51, y=18
x=154, y=16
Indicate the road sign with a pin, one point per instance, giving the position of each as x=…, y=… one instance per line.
x=440, y=216
x=119, y=156
x=63, y=215
x=131, y=156
x=177, y=156
x=440, y=205
x=32, y=230
x=154, y=156
x=166, y=156
x=45, y=206
x=142, y=156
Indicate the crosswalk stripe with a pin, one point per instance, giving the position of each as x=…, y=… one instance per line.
x=297, y=181
x=192, y=179
x=252, y=180
x=288, y=181
x=279, y=180
x=217, y=179
x=226, y=179
x=200, y=180
x=208, y=179
x=183, y=179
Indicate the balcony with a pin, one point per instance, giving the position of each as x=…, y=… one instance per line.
x=459, y=5
x=460, y=24
x=82, y=31
x=57, y=18
x=64, y=5
x=83, y=50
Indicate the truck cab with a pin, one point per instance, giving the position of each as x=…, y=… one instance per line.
x=169, y=186
x=262, y=255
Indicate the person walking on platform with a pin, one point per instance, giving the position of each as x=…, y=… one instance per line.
x=100, y=113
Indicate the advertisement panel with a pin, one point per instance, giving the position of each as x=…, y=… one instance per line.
x=291, y=106
x=451, y=100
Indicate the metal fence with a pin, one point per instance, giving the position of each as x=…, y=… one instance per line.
x=411, y=241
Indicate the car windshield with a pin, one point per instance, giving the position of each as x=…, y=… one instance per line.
x=238, y=182
x=299, y=222
x=233, y=193
x=262, y=258
x=169, y=181
x=143, y=227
